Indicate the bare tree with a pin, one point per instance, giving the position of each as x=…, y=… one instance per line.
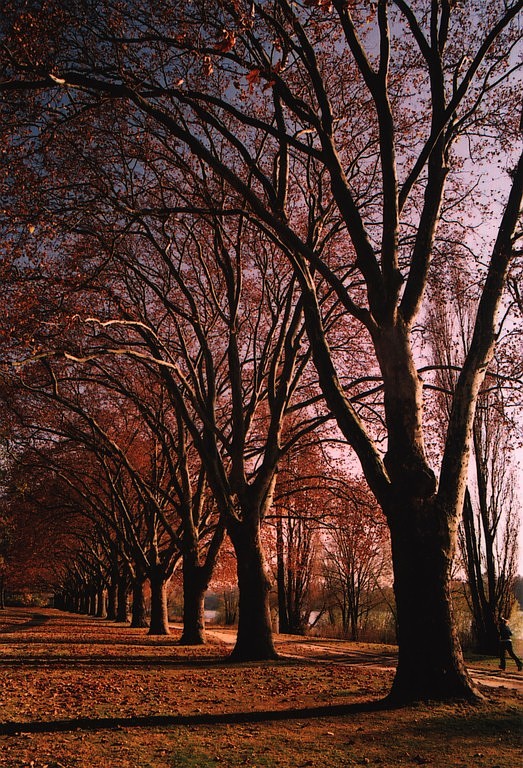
x=357, y=561
x=354, y=143
x=488, y=530
x=299, y=512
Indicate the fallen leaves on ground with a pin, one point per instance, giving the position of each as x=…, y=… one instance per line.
x=86, y=693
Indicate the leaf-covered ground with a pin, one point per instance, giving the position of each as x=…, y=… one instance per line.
x=77, y=692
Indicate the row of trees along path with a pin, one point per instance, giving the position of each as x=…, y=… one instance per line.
x=165, y=162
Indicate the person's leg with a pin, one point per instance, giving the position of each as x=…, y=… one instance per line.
x=502, y=649
x=518, y=661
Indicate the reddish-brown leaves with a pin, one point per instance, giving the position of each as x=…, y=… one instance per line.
x=227, y=42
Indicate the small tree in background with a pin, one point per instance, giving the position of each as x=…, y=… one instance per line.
x=488, y=534
x=357, y=562
x=301, y=506
x=488, y=530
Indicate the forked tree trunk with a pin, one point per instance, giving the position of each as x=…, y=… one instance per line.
x=159, y=624
x=430, y=659
x=430, y=665
x=254, y=640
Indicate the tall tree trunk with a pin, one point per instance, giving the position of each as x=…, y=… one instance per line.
x=230, y=605
x=353, y=621
x=483, y=608
x=159, y=624
x=283, y=616
x=195, y=584
x=84, y=600
x=423, y=538
x=254, y=640
x=295, y=603
x=112, y=602
x=198, y=566
x=92, y=595
x=122, y=607
x=100, y=601
x=430, y=665
x=138, y=616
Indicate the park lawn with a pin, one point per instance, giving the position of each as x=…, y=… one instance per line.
x=76, y=692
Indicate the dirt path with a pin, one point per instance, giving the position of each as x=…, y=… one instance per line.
x=320, y=650
x=31, y=627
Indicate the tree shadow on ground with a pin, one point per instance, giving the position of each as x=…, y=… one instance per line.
x=357, y=658
x=221, y=718
x=107, y=642
x=135, y=661
x=36, y=620
x=120, y=662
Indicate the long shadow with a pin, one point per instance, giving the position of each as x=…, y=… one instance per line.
x=36, y=620
x=144, y=662
x=134, y=642
x=122, y=662
x=159, y=721
x=353, y=659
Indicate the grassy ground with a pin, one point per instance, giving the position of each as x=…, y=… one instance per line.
x=77, y=692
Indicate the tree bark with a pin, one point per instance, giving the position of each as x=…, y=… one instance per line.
x=254, y=640
x=122, y=607
x=423, y=537
x=430, y=665
x=159, y=624
x=195, y=583
x=283, y=618
x=138, y=615
x=100, y=601
x=84, y=600
x=483, y=612
x=230, y=606
x=92, y=595
x=112, y=590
